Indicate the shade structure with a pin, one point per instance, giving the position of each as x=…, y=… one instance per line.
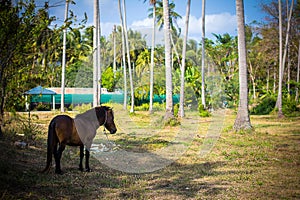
x=39, y=90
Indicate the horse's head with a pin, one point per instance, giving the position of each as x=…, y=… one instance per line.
x=105, y=116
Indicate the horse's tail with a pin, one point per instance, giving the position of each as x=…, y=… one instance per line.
x=50, y=142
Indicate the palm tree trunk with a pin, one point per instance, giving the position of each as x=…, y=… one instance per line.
x=95, y=54
x=152, y=61
x=123, y=57
x=128, y=59
x=181, y=104
x=114, y=49
x=169, y=88
x=62, y=98
x=242, y=121
x=99, y=82
x=203, y=56
x=298, y=72
x=282, y=59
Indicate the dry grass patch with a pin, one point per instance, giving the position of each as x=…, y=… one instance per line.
x=263, y=164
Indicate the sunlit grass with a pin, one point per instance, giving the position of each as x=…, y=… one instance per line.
x=262, y=164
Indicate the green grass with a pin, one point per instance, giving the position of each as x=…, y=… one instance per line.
x=263, y=164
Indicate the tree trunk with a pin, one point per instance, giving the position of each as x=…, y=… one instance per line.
x=95, y=54
x=298, y=72
x=274, y=78
x=203, y=57
x=152, y=61
x=181, y=104
x=282, y=59
x=268, y=79
x=99, y=82
x=114, y=49
x=169, y=88
x=252, y=77
x=62, y=102
x=123, y=57
x=128, y=59
x=242, y=121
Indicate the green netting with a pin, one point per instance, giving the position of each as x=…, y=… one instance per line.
x=88, y=98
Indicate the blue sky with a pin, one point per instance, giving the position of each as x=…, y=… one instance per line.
x=220, y=15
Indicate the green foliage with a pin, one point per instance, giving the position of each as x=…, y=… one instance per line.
x=158, y=106
x=82, y=108
x=23, y=126
x=43, y=107
x=109, y=79
x=202, y=111
x=143, y=107
x=289, y=107
x=265, y=106
x=172, y=122
x=176, y=110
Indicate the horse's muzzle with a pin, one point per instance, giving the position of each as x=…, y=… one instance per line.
x=113, y=131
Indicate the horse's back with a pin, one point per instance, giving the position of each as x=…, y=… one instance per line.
x=65, y=130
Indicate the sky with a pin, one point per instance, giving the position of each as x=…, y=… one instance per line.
x=220, y=15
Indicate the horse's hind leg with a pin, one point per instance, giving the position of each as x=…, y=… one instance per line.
x=81, y=157
x=87, y=161
x=57, y=156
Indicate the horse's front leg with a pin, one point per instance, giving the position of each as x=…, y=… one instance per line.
x=81, y=157
x=87, y=161
x=57, y=156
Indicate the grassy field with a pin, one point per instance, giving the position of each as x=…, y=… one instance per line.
x=263, y=164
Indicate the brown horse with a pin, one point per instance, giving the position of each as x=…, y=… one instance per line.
x=80, y=131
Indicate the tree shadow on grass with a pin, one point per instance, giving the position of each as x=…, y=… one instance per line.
x=21, y=178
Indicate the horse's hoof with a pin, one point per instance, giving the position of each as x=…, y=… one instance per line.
x=88, y=170
x=58, y=172
x=81, y=169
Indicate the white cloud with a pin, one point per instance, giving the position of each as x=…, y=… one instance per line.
x=145, y=23
x=214, y=23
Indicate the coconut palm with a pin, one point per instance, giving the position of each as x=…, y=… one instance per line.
x=123, y=56
x=128, y=58
x=153, y=3
x=62, y=102
x=181, y=104
x=169, y=89
x=203, y=55
x=242, y=120
x=282, y=55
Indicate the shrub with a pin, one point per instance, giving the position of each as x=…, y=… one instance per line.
x=265, y=107
x=143, y=107
x=289, y=106
x=158, y=106
x=176, y=110
x=202, y=111
x=172, y=122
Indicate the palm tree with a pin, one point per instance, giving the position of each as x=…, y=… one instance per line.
x=114, y=50
x=96, y=54
x=181, y=104
x=242, y=121
x=153, y=3
x=203, y=55
x=282, y=58
x=128, y=58
x=169, y=90
x=298, y=73
x=159, y=14
x=62, y=102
